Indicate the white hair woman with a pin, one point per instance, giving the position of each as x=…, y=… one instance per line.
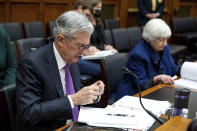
x=150, y=60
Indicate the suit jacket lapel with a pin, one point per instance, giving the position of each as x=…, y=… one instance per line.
x=53, y=70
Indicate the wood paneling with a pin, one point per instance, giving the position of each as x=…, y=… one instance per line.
x=193, y=11
x=2, y=12
x=49, y=10
x=52, y=11
x=24, y=1
x=187, y=8
x=24, y=12
x=123, y=15
x=116, y=7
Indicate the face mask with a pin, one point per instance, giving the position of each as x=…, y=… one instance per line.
x=97, y=13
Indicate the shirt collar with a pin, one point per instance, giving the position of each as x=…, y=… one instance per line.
x=60, y=62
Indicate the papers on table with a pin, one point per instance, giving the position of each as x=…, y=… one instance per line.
x=188, y=76
x=101, y=117
x=98, y=55
x=125, y=113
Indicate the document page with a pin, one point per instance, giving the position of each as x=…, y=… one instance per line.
x=104, y=118
x=98, y=55
x=188, y=76
x=125, y=113
x=185, y=83
x=189, y=71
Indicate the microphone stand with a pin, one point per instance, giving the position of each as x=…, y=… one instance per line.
x=126, y=70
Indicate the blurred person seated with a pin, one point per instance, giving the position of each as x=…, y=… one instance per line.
x=81, y=6
x=150, y=60
x=48, y=88
x=97, y=40
x=7, y=60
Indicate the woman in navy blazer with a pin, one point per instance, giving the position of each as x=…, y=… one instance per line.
x=150, y=60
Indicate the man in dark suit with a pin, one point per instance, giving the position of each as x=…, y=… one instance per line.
x=42, y=90
x=149, y=9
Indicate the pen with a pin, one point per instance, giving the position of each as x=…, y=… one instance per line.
x=123, y=115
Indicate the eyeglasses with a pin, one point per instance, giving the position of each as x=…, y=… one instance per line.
x=81, y=46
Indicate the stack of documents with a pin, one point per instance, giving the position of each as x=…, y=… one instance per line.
x=125, y=113
x=98, y=55
x=188, y=76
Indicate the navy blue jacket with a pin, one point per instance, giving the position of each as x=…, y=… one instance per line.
x=145, y=7
x=144, y=62
x=41, y=104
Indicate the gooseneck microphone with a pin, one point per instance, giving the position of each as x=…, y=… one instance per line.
x=127, y=71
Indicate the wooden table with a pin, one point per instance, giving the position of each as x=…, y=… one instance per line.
x=174, y=124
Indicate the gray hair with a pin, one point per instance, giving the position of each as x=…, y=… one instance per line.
x=154, y=29
x=71, y=22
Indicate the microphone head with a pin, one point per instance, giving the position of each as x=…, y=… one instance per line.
x=125, y=69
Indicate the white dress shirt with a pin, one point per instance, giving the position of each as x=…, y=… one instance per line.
x=61, y=64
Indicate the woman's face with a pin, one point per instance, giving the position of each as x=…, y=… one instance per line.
x=98, y=7
x=97, y=10
x=159, y=44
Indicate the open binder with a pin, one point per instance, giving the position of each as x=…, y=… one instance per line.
x=125, y=113
x=188, y=76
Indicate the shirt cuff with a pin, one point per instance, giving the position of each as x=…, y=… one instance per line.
x=71, y=102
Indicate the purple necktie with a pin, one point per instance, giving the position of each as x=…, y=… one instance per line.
x=70, y=90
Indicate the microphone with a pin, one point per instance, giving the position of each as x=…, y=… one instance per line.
x=127, y=71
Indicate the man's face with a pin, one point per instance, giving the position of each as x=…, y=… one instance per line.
x=71, y=50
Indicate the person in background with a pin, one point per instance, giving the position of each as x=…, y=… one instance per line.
x=97, y=40
x=150, y=60
x=7, y=60
x=149, y=9
x=48, y=88
x=81, y=6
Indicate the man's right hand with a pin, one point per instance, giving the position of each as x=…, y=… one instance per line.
x=86, y=95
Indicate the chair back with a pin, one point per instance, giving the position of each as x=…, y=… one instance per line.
x=51, y=25
x=183, y=24
x=13, y=43
x=121, y=39
x=34, y=29
x=112, y=74
x=27, y=45
x=108, y=37
x=135, y=36
x=195, y=23
x=1, y=24
x=15, y=30
x=111, y=24
x=8, y=108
